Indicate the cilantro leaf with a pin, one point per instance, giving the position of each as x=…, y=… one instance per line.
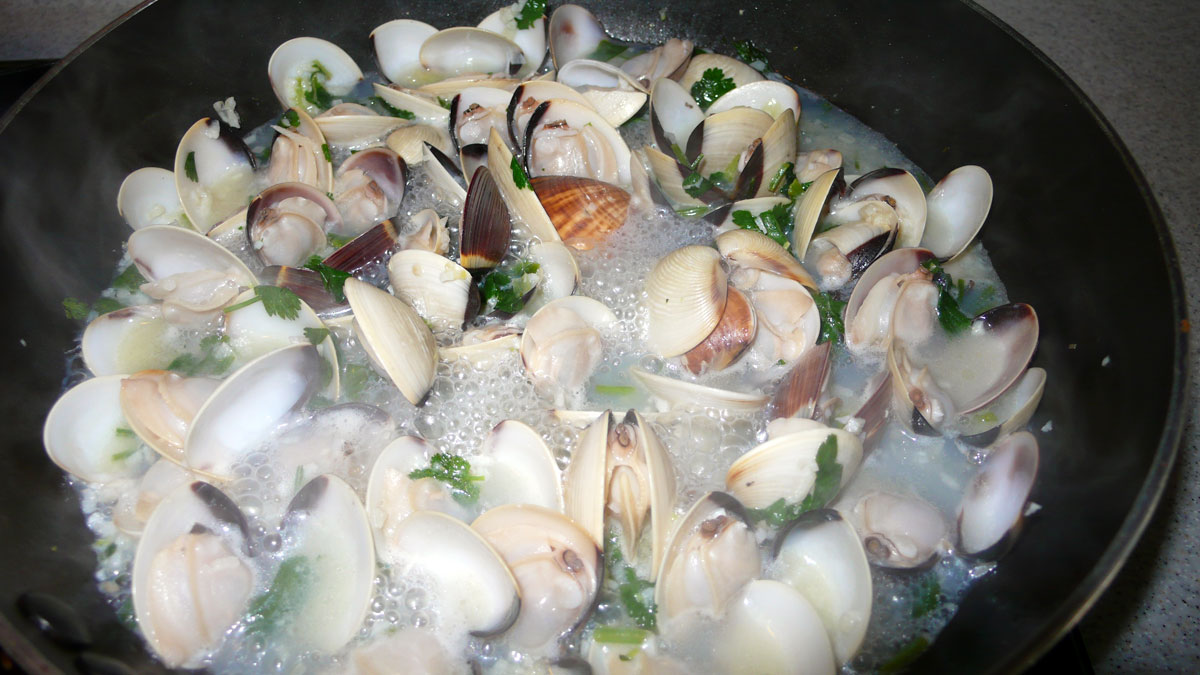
x=950, y=316
x=316, y=335
x=75, y=308
x=618, y=635
x=796, y=189
x=753, y=56
x=443, y=102
x=290, y=118
x=316, y=93
x=636, y=595
x=130, y=279
x=504, y=289
x=337, y=241
x=327, y=153
x=355, y=378
x=531, y=11
x=711, y=86
x=208, y=361
x=105, y=305
x=391, y=109
x=280, y=302
x=270, y=610
x=825, y=488
x=775, y=222
x=783, y=178
x=333, y=278
x=189, y=167
x=831, y=309
x=606, y=50
x=519, y=176
x=455, y=472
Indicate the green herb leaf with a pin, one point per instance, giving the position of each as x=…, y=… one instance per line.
x=518, y=175
x=391, y=109
x=130, y=279
x=775, y=222
x=189, y=167
x=280, y=302
x=620, y=635
x=825, y=488
x=531, y=11
x=504, y=289
x=796, y=189
x=316, y=335
x=105, y=305
x=337, y=241
x=926, y=597
x=831, y=309
x=124, y=454
x=290, y=118
x=276, y=606
x=906, y=656
x=712, y=85
x=606, y=51
x=783, y=178
x=443, y=102
x=614, y=390
x=75, y=308
x=316, y=93
x=333, y=278
x=753, y=56
x=692, y=211
x=328, y=156
x=455, y=472
x=215, y=358
x=950, y=316
x=355, y=378
x=298, y=480
x=636, y=594
x=124, y=433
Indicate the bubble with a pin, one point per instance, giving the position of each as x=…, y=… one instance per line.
x=415, y=599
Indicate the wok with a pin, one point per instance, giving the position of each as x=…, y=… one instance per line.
x=1073, y=231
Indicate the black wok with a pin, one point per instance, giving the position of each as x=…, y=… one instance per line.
x=1073, y=231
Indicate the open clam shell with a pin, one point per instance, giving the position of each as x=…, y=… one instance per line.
x=463, y=50
x=160, y=406
x=425, y=109
x=902, y=187
x=558, y=273
x=993, y=508
x=800, y=390
x=192, y=575
x=755, y=250
x=820, y=555
x=483, y=353
x=162, y=251
x=369, y=188
x=398, y=340
x=779, y=149
x=674, y=114
x=288, y=222
x=392, y=495
x=740, y=73
x=566, y=138
x=531, y=40
x=518, y=468
x=809, y=208
x=667, y=60
x=789, y=320
x=299, y=154
x=1008, y=413
x=475, y=112
x=723, y=138
x=957, y=208
x=527, y=96
x=685, y=297
x=563, y=342
x=249, y=406
x=134, y=507
x=214, y=173
x=127, y=340
x=83, y=436
x=523, y=203
x=733, y=335
x=148, y=197
x=556, y=564
x=868, y=316
x=668, y=174
x=773, y=98
x=786, y=467
x=331, y=541
x=675, y=393
x=486, y=225
x=898, y=531
x=295, y=64
x=770, y=627
x=575, y=33
x=434, y=286
x=354, y=125
x=397, y=46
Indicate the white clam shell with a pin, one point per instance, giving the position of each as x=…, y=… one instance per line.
x=531, y=40
x=808, y=211
x=755, y=250
x=572, y=139
x=993, y=506
x=740, y=73
x=681, y=394
x=357, y=129
x=898, y=531
x=768, y=96
x=298, y=155
x=563, y=342
x=127, y=340
x=674, y=110
x=769, y=627
x=148, y=197
x=685, y=296
x=957, y=208
x=779, y=147
x=528, y=95
x=223, y=171
x=293, y=61
x=868, y=313
x=518, y=468
x=135, y=506
x=160, y=406
x=162, y=251
x=726, y=135
x=463, y=50
x=488, y=108
x=392, y=496
x=667, y=174
x=425, y=109
x=398, y=48
x=252, y=332
x=523, y=203
x=902, y=187
x=558, y=273
x=81, y=433
x=484, y=354
x=399, y=340
x=616, y=106
x=409, y=142
x=587, y=74
x=435, y=287
x=574, y=34
x=785, y=467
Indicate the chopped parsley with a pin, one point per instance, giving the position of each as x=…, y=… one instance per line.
x=711, y=86
x=189, y=167
x=531, y=11
x=926, y=597
x=783, y=178
x=74, y=308
x=392, y=110
x=337, y=241
x=315, y=92
x=443, y=102
x=796, y=189
x=269, y=611
x=355, y=378
x=519, y=176
x=606, y=51
x=290, y=118
x=280, y=302
x=614, y=390
x=504, y=290
x=124, y=433
x=831, y=309
x=455, y=472
x=754, y=57
x=328, y=157
x=636, y=594
x=215, y=358
x=825, y=488
x=124, y=455
x=775, y=222
x=333, y=278
x=950, y=315
x=316, y=335
x=130, y=279
x=105, y=305
x=618, y=635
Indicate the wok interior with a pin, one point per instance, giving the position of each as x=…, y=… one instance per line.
x=1071, y=231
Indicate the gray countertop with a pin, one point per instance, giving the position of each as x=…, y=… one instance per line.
x=1139, y=61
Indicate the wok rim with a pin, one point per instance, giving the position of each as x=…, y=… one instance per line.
x=1145, y=504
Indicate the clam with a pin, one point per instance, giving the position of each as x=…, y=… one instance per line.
x=558, y=273
x=135, y=506
x=288, y=222
x=677, y=394
x=127, y=340
x=474, y=113
x=436, y=288
x=365, y=252
x=251, y=332
x=667, y=60
x=214, y=173
x=957, y=207
x=447, y=89
x=583, y=210
x=685, y=295
x=668, y=175
x=846, y=251
x=309, y=286
x=807, y=466
x=299, y=153
x=564, y=341
x=482, y=347
x=608, y=89
x=463, y=50
x=770, y=627
x=812, y=164
x=249, y=406
x=773, y=98
x=466, y=578
x=622, y=468
x=723, y=139
x=486, y=227
x=397, y=46
x=393, y=495
x=425, y=109
x=192, y=575
x=905, y=195
x=407, y=650
x=789, y=322
x=517, y=468
x=531, y=40
x=355, y=125
x=898, y=531
x=575, y=33
x=1008, y=413
x=444, y=175
x=755, y=250
x=191, y=274
x=557, y=567
x=800, y=390
x=343, y=439
x=527, y=96
x=734, y=333
x=712, y=553
x=369, y=188
x=396, y=337
x=522, y=201
x=810, y=207
x=310, y=73
x=409, y=142
x=869, y=311
x=160, y=406
x=874, y=410
x=820, y=555
x=674, y=114
x=330, y=545
x=87, y=436
x=740, y=73
x=148, y=197
x=993, y=508
x=567, y=139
